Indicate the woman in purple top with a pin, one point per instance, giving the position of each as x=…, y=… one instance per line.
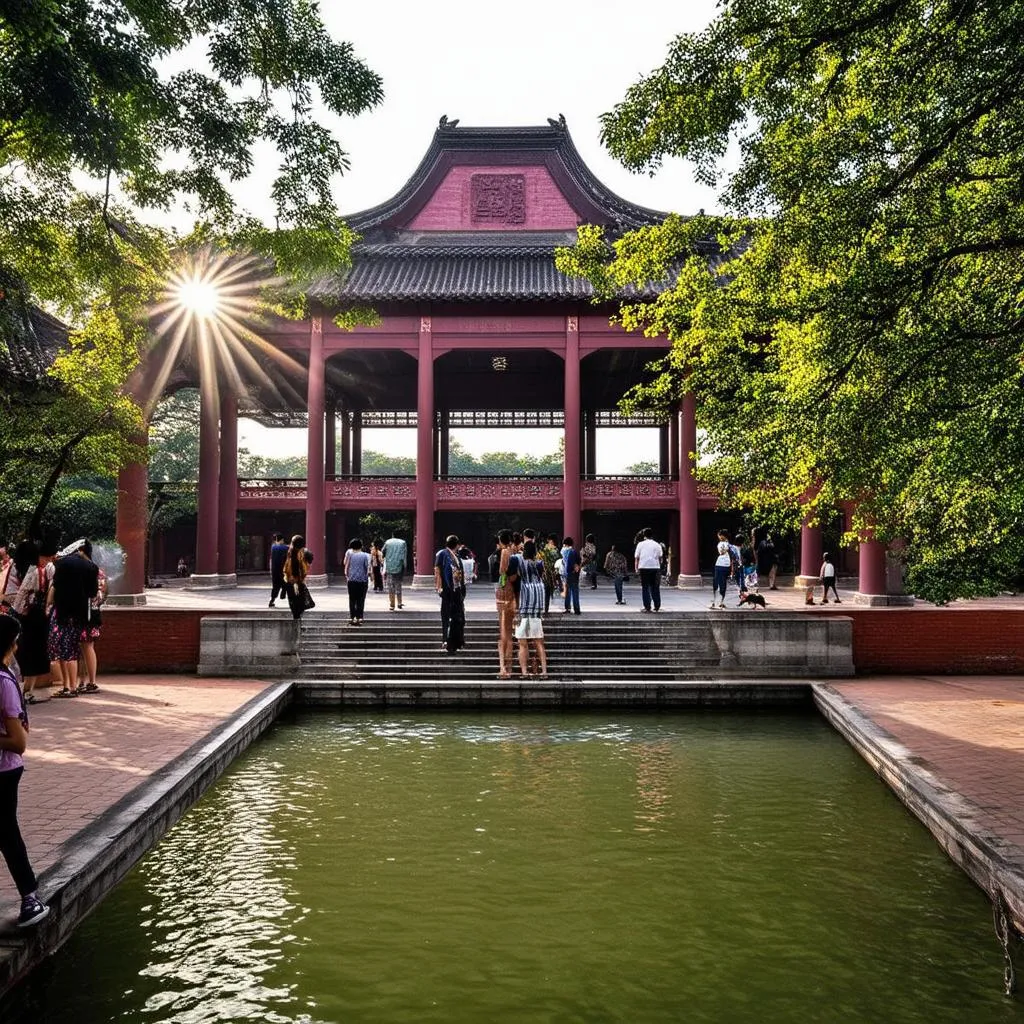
x=13, y=741
x=357, y=572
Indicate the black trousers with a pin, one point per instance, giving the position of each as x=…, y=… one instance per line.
x=650, y=587
x=277, y=586
x=12, y=846
x=356, y=599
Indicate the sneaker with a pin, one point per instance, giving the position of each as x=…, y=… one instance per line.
x=32, y=912
x=712, y=605
x=721, y=604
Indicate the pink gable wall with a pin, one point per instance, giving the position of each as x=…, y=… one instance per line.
x=448, y=209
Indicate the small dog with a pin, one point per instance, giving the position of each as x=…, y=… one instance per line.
x=750, y=599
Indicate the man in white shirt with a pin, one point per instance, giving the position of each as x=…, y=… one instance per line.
x=647, y=562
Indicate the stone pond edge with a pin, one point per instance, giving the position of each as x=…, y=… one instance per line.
x=991, y=862
x=96, y=859
x=99, y=856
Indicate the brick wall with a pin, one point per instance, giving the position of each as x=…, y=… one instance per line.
x=961, y=640
x=902, y=641
x=150, y=640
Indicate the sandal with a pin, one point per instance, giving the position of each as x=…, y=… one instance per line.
x=31, y=699
x=90, y=688
x=66, y=693
x=503, y=675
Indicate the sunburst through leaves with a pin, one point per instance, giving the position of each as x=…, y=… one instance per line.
x=211, y=314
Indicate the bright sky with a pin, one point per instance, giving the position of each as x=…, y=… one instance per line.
x=496, y=64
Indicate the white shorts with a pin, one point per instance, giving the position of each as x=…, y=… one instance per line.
x=530, y=628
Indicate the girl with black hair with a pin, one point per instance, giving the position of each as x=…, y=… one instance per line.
x=296, y=569
x=13, y=741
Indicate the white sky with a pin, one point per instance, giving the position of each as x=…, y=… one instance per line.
x=494, y=64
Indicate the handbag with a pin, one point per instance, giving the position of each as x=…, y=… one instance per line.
x=306, y=597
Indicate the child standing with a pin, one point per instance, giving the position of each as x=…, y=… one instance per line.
x=828, y=579
x=13, y=741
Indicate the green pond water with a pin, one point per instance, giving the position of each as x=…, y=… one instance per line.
x=722, y=867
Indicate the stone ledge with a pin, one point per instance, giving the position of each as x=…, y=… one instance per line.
x=93, y=861
x=551, y=693
x=993, y=863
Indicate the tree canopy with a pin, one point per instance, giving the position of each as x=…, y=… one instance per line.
x=114, y=113
x=853, y=328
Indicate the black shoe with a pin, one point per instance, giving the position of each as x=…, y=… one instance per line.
x=271, y=605
x=32, y=912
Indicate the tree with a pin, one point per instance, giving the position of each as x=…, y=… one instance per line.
x=646, y=468
x=463, y=463
x=97, y=135
x=853, y=330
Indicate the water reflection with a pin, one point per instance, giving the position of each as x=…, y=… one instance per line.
x=735, y=868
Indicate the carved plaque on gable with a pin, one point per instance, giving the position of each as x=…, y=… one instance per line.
x=498, y=199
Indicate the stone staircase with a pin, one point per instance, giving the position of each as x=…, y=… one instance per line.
x=407, y=646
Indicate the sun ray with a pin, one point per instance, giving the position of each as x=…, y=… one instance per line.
x=209, y=315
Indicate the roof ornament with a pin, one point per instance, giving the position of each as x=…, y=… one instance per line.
x=445, y=123
x=560, y=123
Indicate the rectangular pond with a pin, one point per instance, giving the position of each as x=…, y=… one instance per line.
x=721, y=867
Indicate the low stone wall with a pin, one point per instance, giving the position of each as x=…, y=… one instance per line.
x=560, y=695
x=239, y=646
x=777, y=644
x=965, y=640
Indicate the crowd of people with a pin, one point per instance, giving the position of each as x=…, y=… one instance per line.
x=50, y=619
x=56, y=597
x=527, y=572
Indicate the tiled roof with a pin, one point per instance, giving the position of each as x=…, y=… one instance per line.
x=29, y=343
x=459, y=274
x=396, y=263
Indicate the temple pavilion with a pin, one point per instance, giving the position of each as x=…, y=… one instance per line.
x=476, y=328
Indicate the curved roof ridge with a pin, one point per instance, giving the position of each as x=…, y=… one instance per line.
x=452, y=145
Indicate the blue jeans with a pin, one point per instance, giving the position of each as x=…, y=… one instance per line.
x=650, y=587
x=721, y=578
x=617, y=584
x=572, y=593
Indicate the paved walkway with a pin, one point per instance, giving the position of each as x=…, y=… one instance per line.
x=253, y=592
x=86, y=754
x=967, y=730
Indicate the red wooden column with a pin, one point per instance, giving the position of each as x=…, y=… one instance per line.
x=357, y=442
x=689, y=554
x=810, y=554
x=132, y=521
x=207, y=517
x=590, y=442
x=444, y=443
x=871, y=588
x=673, y=445
x=571, y=468
x=227, y=542
x=316, y=516
x=331, y=447
x=346, y=444
x=425, y=539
